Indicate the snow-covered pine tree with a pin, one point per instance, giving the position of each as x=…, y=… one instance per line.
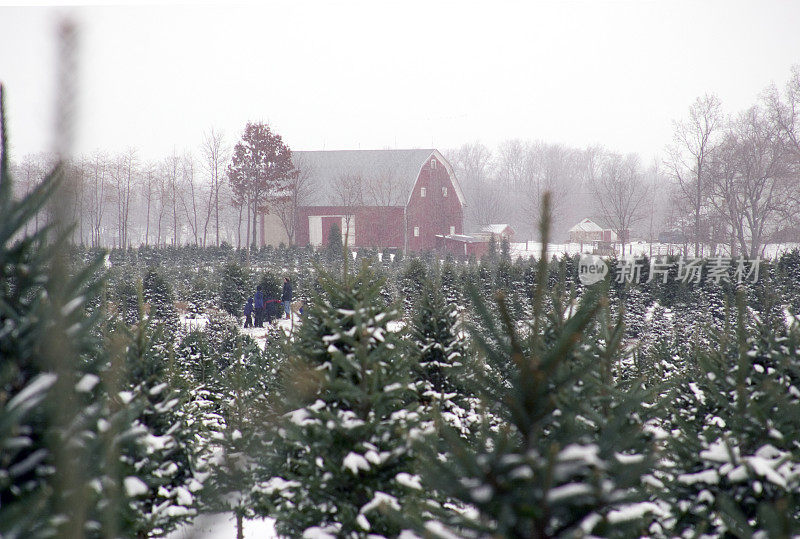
x=449, y=278
x=198, y=292
x=233, y=288
x=230, y=452
x=158, y=295
x=125, y=296
x=492, y=256
x=505, y=250
x=732, y=464
x=788, y=269
x=157, y=468
x=445, y=383
x=569, y=457
x=53, y=408
x=344, y=465
x=334, y=249
x=26, y=379
x=412, y=282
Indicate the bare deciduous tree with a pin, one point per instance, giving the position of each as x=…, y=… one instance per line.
x=124, y=175
x=752, y=181
x=215, y=157
x=300, y=188
x=98, y=171
x=549, y=168
x=694, y=143
x=473, y=167
x=33, y=169
x=513, y=160
x=149, y=193
x=259, y=170
x=784, y=113
x=348, y=190
x=383, y=188
x=171, y=168
x=621, y=193
x=188, y=193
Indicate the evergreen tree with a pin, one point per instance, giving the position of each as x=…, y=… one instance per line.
x=505, y=250
x=491, y=257
x=126, y=299
x=56, y=416
x=344, y=458
x=158, y=295
x=233, y=288
x=412, y=284
x=230, y=452
x=568, y=457
x=445, y=383
x=732, y=466
x=334, y=248
x=157, y=467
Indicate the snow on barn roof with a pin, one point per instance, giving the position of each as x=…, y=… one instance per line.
x=587, y=225
x=496, y=229
x=461, y=237
x=387, y=177
x=594, y=224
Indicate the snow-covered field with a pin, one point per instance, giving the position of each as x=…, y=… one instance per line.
x=260, y=334
x=223, y=526
x=191, y=322
x=638, y=248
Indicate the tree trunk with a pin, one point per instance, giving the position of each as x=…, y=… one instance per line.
x=239, y=229
x=147, y=225
x=247, y=235
x=255, y=224
x=216, y=211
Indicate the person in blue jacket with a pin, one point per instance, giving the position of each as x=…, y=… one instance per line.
x=286, y=297
x=248, y=310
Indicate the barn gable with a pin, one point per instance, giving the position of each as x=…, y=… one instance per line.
x=436, y=154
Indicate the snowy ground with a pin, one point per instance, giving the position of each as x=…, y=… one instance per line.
x=192, y=322
x=260, y=334
x=223, y=526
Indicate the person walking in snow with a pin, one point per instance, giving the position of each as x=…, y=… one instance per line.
x=259, y=305
x=286, y=297
x=248, y=310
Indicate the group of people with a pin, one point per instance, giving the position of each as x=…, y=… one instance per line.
x=263, y=308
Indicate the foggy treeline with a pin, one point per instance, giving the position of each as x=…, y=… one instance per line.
x=725, y=183
x=506, y=185
x=123, y=200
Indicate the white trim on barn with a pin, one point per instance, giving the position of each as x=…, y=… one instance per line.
x=315, y=232
x=450, y=172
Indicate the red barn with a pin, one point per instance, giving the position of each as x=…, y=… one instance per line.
x=399, y=199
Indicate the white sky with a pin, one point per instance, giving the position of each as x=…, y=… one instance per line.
x=349, y=75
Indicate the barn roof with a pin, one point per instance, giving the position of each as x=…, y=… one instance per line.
x=586, y=225
x=496, y=229
x=592, y=224
x=388, y=175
